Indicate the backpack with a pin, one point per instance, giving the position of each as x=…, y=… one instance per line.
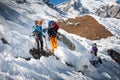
x=56, y=25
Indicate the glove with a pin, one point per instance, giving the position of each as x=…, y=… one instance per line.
x=44, y=36
x=49, y=38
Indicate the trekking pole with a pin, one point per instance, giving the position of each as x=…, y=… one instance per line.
x=48, y=50
x=35, y=45
x=46, y=43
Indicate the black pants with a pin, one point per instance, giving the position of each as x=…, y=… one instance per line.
x=95, y=53
x=39, y=40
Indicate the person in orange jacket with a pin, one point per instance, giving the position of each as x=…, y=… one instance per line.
x=52, y=32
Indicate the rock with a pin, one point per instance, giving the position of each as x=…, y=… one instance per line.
x=118, y=15
x=109, y=11
x=114, y=55
x=114, y=10
x=37, y=54
x=66, y=41
x=4, y=41
x=20, y=1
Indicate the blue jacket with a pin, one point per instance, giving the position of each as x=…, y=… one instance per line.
x=38, y=28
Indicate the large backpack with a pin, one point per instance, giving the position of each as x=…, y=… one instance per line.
x=56, y=25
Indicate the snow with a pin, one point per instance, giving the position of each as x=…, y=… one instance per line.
x=75, y=8
x=16, y=29
x=113, y=25
x=94, y=4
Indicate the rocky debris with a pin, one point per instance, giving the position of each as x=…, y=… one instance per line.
x=20, y=1
x=37, y=54
x=66, y=41
x=4, y=41
x=85, y=26
x=114, y=55
x=26, y=58
x=109, y=11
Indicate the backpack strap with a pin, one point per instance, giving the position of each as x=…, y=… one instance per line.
x=34, y=28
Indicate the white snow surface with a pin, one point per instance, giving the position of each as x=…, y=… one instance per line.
x=16, y=27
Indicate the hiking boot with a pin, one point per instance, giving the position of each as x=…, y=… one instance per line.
x=53, y=50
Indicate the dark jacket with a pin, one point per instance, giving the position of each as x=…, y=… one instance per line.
x=52, y=32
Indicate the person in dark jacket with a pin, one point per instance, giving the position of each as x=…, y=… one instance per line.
x=52, y=33
x=38, y=33
x=94, y=49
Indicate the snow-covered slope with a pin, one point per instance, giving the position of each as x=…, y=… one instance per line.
x=16, y=21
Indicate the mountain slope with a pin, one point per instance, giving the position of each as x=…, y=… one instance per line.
x=103, y=8
x=19, y=37
x=16, y=22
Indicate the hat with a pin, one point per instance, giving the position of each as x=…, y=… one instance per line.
x=94, y=44
x=39, y=22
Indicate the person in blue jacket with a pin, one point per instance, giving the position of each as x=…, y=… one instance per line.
x=38, y=33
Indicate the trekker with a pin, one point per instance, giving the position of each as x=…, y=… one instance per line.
x=55, y=24
x=52, y=33
x=94, y=49
x=38, y=33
